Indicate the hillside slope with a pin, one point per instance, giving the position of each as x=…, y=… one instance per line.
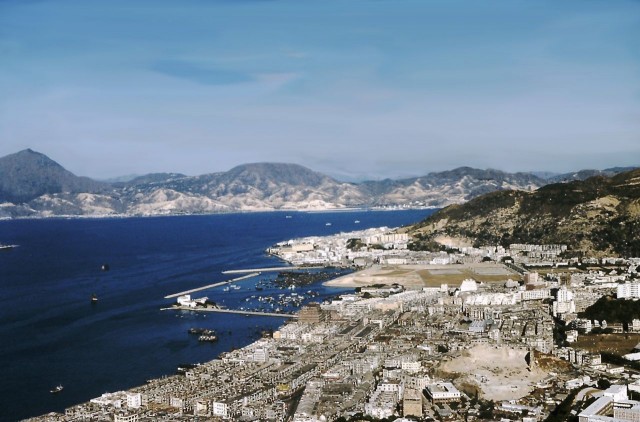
x=599, y=215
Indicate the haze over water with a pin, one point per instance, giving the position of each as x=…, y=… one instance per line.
x=51, y=333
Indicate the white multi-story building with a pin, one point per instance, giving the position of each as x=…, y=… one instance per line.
x=220, y=409
x=468, y=285
x=260, y=354
x=185, y=300
x=628, y=291
x=536, y=294
x=382, y=403
x=412, y=367
x=417, y=382
x=613, y=406
x=134, y=400
x=531, y=278
x=442, y=392
x=125, y=417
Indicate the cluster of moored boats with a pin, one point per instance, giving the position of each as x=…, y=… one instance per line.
x=204, y=334
x=278, y=303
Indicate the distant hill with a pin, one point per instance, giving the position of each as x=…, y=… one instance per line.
x=27, y=175
x=600, y=214
x=34, y=185
x=149, y=179
x=585, y=174
x=449, y=187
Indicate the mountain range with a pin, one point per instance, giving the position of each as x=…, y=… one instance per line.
x=33, y=185
x=596, y=216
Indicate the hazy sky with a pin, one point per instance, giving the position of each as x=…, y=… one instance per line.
x=355, y=89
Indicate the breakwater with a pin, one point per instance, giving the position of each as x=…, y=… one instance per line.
x=271, y=269
x=211, y=286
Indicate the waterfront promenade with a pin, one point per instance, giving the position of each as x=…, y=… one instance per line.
x=229, y=311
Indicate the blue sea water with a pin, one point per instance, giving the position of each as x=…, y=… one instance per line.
x=51, y=333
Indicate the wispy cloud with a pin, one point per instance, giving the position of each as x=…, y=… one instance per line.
x=201, y=74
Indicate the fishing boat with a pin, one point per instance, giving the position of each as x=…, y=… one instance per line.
x=56, y=389
x=94, y=298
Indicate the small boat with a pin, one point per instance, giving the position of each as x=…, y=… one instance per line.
x=56, y=389
x=94, y=298
x=328, y=224
x=288, y=216
x=6, y=247
x=209, y=338
x=357, y=222
x=105, y=267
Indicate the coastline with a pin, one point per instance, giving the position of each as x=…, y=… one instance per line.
x=230, y=212
x=188, y=254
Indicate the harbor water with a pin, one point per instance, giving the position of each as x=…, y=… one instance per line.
x=53, y=334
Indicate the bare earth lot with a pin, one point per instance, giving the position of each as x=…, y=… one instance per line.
x=497, y=373
x=418, y=276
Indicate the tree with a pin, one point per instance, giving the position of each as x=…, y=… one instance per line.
x=604, y=383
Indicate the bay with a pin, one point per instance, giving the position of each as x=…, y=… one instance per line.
x=51, y=333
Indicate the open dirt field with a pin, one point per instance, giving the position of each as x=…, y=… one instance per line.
x=418, y=276
x=497, y=373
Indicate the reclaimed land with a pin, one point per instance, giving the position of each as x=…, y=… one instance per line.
x=419, y=276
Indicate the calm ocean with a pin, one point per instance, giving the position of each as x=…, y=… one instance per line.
x=51, y=334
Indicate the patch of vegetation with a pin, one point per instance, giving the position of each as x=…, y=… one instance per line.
x=612, y=310
x=540, y=215
x=620, y=235
x=422, y=242
x=614, y=359
x=486, y=409
x=354, y=244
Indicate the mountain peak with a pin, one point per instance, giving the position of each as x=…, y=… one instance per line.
x=28, y=174
x=287, y=173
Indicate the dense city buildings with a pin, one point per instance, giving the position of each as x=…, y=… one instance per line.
x=487, y=333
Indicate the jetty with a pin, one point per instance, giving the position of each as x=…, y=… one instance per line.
x=211, y=286
x=264, y=270
x=229, y=311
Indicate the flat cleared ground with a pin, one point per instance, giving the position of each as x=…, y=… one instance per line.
x=498, y=373
x=418, y=276
x=620, y=344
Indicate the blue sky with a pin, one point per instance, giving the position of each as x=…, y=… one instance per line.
x=355, y=89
